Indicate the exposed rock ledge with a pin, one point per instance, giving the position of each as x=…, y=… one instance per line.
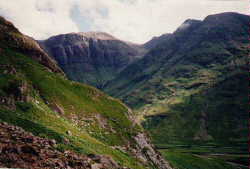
x=146, y=152
x=21, y=149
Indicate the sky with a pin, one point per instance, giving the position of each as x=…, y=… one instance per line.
x=131, y=20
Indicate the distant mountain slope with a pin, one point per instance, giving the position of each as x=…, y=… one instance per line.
x=195, y=59
x=93, y=57
x=218, y=114
x=153, y=43
x=157, y=40
x=79, y=117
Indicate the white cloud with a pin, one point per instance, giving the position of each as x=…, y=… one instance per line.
x=39, y=18
x=140, y=20
x=133, y=20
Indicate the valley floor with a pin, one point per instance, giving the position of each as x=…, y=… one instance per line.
x=206, y=156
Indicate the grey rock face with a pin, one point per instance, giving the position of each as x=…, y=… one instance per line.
x=93, y=57
x=146, y=152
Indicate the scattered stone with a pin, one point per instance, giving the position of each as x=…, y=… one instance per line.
x=66, y=141
x=96, y=166
x=9, y=149
x=20, y=149
x=52, y=142
x=58, y=109
x=29, y=150
x=28, y=139
x=69, y=133
x=94, y=157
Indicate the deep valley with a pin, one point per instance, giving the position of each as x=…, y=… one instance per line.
x=179, y=101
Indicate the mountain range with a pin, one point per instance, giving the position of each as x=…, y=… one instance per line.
x=196, y=76
x=186, y=88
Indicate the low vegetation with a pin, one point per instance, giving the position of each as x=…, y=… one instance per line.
x=50, y=106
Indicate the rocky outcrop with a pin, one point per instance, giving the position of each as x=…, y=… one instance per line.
x=10, y=37
x=21, y=149
x=92, y=57
x=15, y=91
x=147, y=152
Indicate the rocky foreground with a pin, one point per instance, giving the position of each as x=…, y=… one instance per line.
x=21, y=149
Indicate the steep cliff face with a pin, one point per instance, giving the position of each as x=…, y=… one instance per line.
x=92, y=57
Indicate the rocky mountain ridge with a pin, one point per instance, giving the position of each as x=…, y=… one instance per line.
x=12, y=37
x=92, y=57
x=97, y=35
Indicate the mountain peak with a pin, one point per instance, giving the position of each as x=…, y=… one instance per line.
x=226, y=17
x=97, y=35
x=226, y=14
x=191, y=21
x=187, y=23
x=82, y=54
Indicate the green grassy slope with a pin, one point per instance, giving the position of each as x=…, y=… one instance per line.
x=35, y=95
x=214, y=120
x=218, y=113
x=30, y=93
x=193, y=86
x=192, y=90
x=198, y=53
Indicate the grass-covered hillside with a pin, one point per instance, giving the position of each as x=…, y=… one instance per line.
x=48, y=105
x=79, y=117
x=193, y=85
x=217, y=113
x=191, y=92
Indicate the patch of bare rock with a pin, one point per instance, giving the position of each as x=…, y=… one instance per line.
x=21, y=149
